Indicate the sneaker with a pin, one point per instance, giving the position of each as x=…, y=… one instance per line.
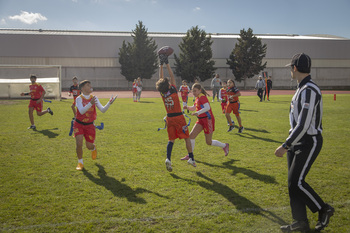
x=33, y=127
x=230, y=128
x=168, y=165
x=323, y=217
x=302, y=226
x=226, y=149
x=240, y=130
x=94, y=154
x=50, y=111
x=192, y=162
x=80, y=167
x=186, y=158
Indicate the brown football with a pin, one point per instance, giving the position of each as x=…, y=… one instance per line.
x=166, y=50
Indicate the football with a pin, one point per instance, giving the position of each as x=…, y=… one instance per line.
x=166, y=50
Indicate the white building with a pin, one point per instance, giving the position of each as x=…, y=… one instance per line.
x=93, y=55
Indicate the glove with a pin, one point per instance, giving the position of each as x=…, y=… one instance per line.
x=163, y=59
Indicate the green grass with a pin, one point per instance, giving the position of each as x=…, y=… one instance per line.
x=128, y=189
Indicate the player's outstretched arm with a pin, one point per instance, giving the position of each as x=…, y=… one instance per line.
x=161, y=75
x=172, y=78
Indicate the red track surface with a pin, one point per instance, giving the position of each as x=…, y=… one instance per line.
x=154, y=94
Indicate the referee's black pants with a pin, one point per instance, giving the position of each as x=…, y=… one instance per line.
x=300, y=159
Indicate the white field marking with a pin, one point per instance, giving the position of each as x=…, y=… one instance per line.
x=150, y=219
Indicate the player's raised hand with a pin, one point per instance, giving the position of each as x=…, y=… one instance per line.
x=93, y=100
x=112, y=99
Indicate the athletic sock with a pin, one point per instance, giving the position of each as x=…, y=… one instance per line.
x=80, y=161
x=190, y=155
x=193, y=142
x=217, y=143
x=169, y=148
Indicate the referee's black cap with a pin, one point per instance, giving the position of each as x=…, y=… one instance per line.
x=302, y=62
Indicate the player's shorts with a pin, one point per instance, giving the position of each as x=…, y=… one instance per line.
x=88, y=131
x=233, y=107
x=184, y=98
x=37, y=106
x=134, y=90
x=175, y=127
x=223, y=106
x=207, y=124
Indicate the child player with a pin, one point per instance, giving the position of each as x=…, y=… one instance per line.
x=206, y=120
x=223, y=98
x=176, y=123
x=233, y=105
x=184, y=90
x=37, y=94
x=84, y=121
x=74, y=89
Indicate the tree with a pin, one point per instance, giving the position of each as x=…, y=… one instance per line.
x=139, y=58
x=245, y=60
x=194, y=59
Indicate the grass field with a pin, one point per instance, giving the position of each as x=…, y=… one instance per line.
x=128, y=189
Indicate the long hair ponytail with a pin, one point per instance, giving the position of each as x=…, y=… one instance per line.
x=201, y=88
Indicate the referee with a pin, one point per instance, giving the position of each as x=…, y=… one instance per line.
x=303, y=145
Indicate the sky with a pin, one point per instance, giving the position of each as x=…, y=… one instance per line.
x=301, y=17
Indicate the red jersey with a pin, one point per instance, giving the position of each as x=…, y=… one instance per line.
x=36, y=91
x=223, y=94
x=230, y=93
x=171, y=101
x=200, y=101
x=90, y=115
x=184, y=89
x=75, y=91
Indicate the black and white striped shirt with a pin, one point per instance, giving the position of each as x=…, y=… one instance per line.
x=305, y=112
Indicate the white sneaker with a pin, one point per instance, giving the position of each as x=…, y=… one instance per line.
x=192, y=162
x=168, y=165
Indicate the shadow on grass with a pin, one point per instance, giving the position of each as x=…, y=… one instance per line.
x=247, y=110
x=117, y=187
x=251, y=136
x=241, y=203
x=48, y=132
x=252, y=174
x=146, y=102
x=256, y=130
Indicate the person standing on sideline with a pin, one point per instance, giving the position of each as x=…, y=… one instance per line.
x=134, y=90
x=268, y=87
x=216, y=85
x=74, y=89
x=260, y=86
x=303, y=145
x=83, y=126
x=206, y=120
x=176, y=123
x=37, y=94
x=139, y=88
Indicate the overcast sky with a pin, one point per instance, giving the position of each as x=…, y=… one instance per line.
x=302, y=17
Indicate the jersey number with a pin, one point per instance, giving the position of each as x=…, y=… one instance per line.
x=169, y=102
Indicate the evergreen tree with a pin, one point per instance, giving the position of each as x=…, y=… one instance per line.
x=245, y=60
x=194, y=59
x=139, y=58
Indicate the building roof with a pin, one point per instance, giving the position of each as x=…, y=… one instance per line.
x=162, y=34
